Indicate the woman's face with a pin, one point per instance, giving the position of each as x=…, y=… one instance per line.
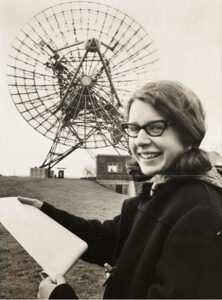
x=154, y=154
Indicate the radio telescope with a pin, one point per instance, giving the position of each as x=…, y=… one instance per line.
x=71, y=70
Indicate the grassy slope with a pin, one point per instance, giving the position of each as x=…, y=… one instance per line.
x=19, y=275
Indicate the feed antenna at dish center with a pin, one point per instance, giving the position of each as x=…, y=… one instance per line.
x=71, y=70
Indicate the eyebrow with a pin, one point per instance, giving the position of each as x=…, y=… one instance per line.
x=150, y=122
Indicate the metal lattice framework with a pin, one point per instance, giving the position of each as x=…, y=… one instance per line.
x=71, y=70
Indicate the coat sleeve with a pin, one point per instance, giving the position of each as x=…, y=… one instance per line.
x=190, y=265
x=100, y=237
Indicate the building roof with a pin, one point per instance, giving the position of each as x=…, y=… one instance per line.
x=113, y=155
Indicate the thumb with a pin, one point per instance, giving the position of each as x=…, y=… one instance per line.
x=59, y=279
x=30, y=201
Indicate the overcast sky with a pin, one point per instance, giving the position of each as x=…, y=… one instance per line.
x=188, y=35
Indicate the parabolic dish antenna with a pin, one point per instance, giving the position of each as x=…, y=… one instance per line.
x=71, y=70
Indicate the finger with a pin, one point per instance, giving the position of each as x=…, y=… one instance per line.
x=25, y=200
x=46, y=281
x=30, y=201
x=59, y=279
x=108, y=268
x=43, y=275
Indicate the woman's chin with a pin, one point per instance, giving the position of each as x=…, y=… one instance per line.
x=150, y=172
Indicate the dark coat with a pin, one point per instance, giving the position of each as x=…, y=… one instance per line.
x=167, y=246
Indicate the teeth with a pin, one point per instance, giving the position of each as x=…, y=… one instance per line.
x=148, y=155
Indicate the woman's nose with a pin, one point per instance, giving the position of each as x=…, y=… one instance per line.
x=143, y=138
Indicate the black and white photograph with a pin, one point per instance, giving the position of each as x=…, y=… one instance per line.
x=111, y=149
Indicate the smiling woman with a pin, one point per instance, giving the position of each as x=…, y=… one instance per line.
x=166, y=243
x=166, y=126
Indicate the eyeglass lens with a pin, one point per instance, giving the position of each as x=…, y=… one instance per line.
x=153, y=129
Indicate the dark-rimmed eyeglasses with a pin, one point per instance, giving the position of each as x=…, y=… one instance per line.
x=155, y=128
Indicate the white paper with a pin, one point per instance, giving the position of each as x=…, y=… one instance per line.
x=53, y=247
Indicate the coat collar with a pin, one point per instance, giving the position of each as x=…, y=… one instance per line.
x=178, y=194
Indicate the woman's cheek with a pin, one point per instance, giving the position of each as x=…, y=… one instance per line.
x=132, y=147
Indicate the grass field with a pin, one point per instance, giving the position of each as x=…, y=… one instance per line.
x=19, y=273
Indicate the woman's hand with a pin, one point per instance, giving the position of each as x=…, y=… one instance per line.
x=30, y=201
x=47, y=286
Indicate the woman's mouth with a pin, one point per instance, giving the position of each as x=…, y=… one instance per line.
x=149, y=155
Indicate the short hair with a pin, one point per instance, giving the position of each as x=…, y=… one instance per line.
x=180, y=105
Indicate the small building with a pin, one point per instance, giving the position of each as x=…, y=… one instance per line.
x=111, y=172
x=41, y=173
x=61, y=172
